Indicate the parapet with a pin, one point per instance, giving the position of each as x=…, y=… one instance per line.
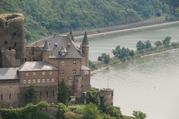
x=107, y=95
x=8, y=18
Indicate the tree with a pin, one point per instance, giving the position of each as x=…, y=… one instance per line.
x=123, y=53
x=167, y=41
x=139, y=115
x=92, y=96
x=63, y=93
x=177, y=12
x=140, y=46
x=30, y=94
x=91, y=112
x=104, y=58
x=158, y=43
x=148, y=45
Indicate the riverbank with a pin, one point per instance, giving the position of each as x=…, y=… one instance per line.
x=118, y=29
x=154, y=51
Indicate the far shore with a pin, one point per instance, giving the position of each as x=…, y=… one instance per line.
x=117, y=61
x=123, y=31
x=109, y=31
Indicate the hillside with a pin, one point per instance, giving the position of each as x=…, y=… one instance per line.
x=44, y=17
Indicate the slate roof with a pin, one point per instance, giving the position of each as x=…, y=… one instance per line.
x=85, y=40
x=64, y=47
x=36, y=66
x=8, y=73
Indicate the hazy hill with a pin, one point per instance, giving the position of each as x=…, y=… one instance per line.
x=48, y=16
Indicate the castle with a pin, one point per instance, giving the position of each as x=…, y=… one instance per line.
x=42, y=66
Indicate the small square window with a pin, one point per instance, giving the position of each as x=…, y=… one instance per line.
x=34, y=73
x=74, y=61
x=34, y=81
x=43, y=80
x=26, y=74
x=38, y=80
x=74, y=71
x=53, y=80
x=43, y=73
x=48, y=80
x=24, y=81
x=62, y=62
x=29, y=81
x=50, y=73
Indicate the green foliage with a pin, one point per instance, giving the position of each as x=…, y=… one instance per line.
x=167, y=41
x=92, y=65
x=91, y=112
x=30, y=111
x=92, y=96
x=104, y=58
x=158, y=43
x=71, y=115
x=139, y=115
x=30, y=95
x=44, y=17
x=123, y=53
x=63, y=93
x=62, y=109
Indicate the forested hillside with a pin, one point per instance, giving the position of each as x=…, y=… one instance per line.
x=44, y=17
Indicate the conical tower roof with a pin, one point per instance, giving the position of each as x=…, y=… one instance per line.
x=85, y=40
x=46, y=47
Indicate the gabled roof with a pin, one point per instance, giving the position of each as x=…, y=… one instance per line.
x=36, y=66
x=8, y=73
x=64, y=47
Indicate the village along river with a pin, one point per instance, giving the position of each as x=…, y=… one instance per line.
x=149, y=84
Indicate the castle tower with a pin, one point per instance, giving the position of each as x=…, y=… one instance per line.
x=85, y=50
x=107, y=96
x=12, y=34
x=46, y=52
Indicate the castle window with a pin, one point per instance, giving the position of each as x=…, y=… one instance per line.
x=1, y=96
x=47, y=94
x=15, y=44
x=62, y=72
x=43, y=73
x=34, y=73
x=74, y=71
x=38, y=80
x=14, y=34
x=62, y=62
x=9, y=96
x=5, y=43
x=34, y=81
x=24, y=81
x=43, y=80
x=51, y=73
x=29, y=81
x=26, y=74
x=53, y=80
x=74, y=61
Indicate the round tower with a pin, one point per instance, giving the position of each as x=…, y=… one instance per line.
x=85, y=50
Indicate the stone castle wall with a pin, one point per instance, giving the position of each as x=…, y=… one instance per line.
x=12, y=34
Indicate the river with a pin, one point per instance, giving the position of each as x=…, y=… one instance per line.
x=149, y=84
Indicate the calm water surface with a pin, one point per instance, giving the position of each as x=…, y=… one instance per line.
x=150, y=84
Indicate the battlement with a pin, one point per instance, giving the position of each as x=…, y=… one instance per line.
x=6, y=19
